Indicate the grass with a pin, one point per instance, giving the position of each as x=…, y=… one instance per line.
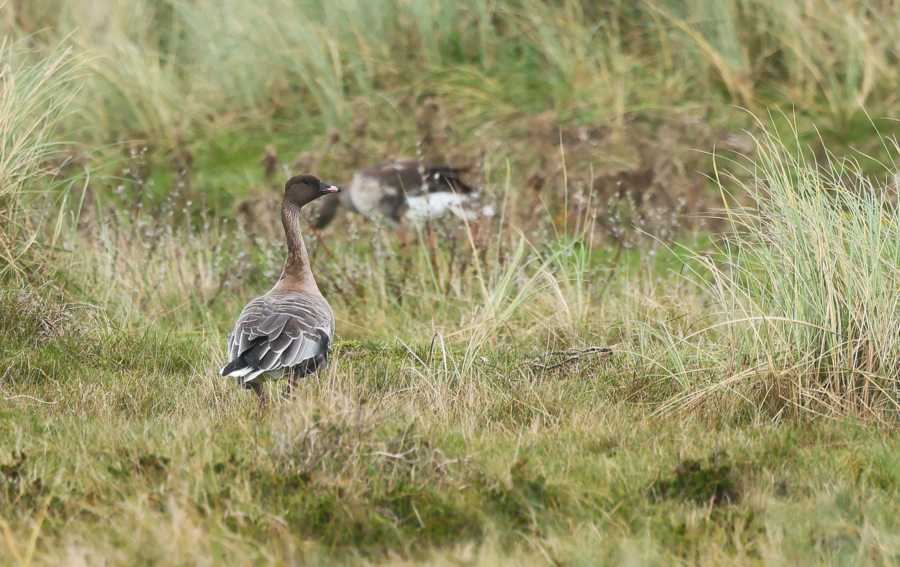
x=178, y=74
x=805, y=280
x=33, y=100
x=355, y=470
x=464, y=446
x=647, y=356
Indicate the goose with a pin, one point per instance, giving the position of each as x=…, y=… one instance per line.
x=292, y=325
x=405, y=189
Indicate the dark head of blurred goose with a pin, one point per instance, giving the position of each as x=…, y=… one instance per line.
x=292, y=325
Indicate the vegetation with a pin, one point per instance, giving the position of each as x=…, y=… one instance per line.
x=675, y=343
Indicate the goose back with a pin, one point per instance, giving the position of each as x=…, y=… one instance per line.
x=280, y=330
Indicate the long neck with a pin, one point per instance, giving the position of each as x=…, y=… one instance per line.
x=296, y=274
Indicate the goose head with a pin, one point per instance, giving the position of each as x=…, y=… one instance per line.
x=302, y=189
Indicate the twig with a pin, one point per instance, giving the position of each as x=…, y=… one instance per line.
x=401, y=456
x=82, y=305
x=30, y=398
x=573, y=355
x=615, y=268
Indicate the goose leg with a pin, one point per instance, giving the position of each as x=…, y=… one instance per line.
x=292, y=379
x=261, y=396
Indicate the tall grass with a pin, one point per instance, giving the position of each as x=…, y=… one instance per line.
x=170, y=70
x=165, y=69
x=807, y=280
x=483, y=284
x=34, y=96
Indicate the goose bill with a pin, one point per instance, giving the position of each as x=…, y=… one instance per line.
x=325, y=188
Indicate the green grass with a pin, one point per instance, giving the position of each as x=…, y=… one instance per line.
x=124, y=444
x=807, y=279
x=34, y=99
x=352, y=469
x=740, y=412
x=185, y=74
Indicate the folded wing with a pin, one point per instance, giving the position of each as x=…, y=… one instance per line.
x=277, y=331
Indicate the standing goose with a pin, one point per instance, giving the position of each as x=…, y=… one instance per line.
x=404, y=189
x=292, y=325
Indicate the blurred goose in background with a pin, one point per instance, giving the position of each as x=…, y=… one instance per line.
x=292, y=325
x=405, y=189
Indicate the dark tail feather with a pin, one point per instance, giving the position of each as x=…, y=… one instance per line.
x=235, y=364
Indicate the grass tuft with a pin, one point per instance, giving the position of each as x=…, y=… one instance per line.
x=804, y=283
x=35, y=93
x=692, y=480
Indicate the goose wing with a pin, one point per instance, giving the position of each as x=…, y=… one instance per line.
x=397, y=178
x=441, y=178
x=279, y=330
x=411, y=177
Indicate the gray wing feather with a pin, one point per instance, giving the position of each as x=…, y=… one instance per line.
x=272, y=326
x=270, y=361
x=293, y=349
x=281, y=330
x=310, y=345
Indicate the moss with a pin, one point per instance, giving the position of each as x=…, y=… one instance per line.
x=698, y=482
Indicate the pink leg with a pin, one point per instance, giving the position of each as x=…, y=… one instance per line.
x=261, y=396
x=292, y=385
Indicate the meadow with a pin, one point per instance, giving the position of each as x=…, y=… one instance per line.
x=677, y=341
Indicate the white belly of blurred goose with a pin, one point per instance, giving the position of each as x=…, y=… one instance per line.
x=433, y=205
x=292, y=325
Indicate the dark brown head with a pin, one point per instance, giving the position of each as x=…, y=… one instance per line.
x=301, y=189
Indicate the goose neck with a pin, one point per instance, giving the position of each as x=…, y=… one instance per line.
x=296, y=274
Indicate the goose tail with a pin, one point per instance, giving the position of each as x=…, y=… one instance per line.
x=239, y=369
x=236, y=368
